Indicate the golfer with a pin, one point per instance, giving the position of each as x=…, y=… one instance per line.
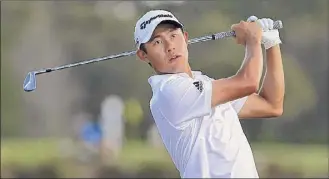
x=197, y=116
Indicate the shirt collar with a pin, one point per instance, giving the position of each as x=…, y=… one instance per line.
x=155, y=79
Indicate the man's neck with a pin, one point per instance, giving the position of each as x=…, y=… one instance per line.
x=187, y=70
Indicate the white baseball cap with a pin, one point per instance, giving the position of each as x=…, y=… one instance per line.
x=148, y=22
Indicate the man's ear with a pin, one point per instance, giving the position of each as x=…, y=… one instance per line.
x=142, y=56
x=186, y=36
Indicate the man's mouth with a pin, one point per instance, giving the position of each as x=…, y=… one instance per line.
x=175, y=57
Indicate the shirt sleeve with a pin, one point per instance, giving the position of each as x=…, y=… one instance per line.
x=182, y=99
x=238, y=103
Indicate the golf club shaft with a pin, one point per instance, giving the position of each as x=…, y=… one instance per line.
x=221, y=35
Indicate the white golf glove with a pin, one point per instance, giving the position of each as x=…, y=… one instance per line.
x=270, y=36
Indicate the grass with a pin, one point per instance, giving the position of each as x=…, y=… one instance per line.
x=311, y=159
x=28, y=152
x=137, y=153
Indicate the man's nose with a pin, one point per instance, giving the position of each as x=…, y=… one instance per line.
x=170, y=46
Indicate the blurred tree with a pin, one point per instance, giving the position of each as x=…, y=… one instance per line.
x=11, y=105
x=13, y=20
x=134, y=117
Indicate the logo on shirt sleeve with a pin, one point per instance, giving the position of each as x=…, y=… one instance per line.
x=198, y=85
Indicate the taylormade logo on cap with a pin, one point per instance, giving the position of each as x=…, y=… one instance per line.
x=148, y=22
x=143, y=25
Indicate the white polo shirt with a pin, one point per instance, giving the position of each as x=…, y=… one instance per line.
x=203, y=142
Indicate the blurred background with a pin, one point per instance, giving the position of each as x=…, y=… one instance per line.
x=94, y=120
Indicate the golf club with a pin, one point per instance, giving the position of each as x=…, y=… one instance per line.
x=30, y=82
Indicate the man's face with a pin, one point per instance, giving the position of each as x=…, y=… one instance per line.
x=167, y=50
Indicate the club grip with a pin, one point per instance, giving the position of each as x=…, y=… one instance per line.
x=276, y=25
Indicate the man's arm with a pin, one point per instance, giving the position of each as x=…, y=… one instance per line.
x=246, y=81
x=269, y=101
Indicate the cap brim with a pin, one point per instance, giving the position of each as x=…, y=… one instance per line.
x=175, y=23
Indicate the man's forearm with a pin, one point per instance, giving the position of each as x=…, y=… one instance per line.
x=252, y=66
x=273, y=85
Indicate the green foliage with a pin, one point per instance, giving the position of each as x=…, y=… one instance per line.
x=133, y=112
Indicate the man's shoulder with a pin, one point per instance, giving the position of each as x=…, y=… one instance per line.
x=171, y=84
x=166, y=80
x=172, y=79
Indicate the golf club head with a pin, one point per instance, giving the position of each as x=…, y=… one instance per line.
x=30, y=82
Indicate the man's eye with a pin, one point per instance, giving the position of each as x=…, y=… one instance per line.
x=157, y=42
x=174, y=35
